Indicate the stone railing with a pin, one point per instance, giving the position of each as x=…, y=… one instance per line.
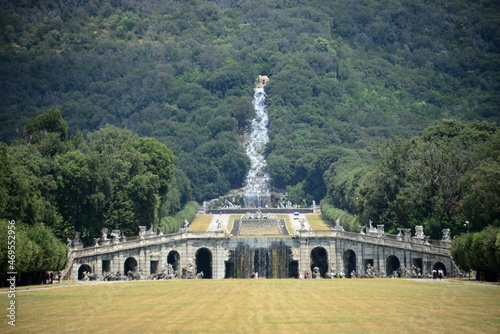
x=414, y=243
x=110, y=246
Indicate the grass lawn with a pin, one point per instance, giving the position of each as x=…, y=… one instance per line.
x=317, y=223
x=200, y=223
x=231, y=221
x=259, y=306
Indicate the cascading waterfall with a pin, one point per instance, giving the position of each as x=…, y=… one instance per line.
x=269, y=258
x=257, y=192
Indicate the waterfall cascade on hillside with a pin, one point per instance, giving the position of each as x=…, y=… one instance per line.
x=257, y=192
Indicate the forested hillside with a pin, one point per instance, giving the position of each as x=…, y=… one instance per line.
x=345, y=76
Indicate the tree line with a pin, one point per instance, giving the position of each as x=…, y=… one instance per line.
x=445, y=178
x=53, y=185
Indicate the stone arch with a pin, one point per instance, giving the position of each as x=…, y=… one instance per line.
x=84, y=268
x=439, y=266
x=204, y=262
x=392, y=265
x=319, y=258
x=349, y=259
x=130, y=264
x=174, y=259
x=261, y=262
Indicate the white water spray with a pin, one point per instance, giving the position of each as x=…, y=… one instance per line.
x=257, y=192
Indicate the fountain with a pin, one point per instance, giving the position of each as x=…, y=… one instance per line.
x=257, y=193
x=267, y=257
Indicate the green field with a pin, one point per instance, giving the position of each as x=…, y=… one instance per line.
x=260, y=306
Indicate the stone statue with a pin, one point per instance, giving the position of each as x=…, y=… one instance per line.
x=407, y=233
x=190, y=271
x=186, y=223
x=371, y=228
x=76, y=240
x=419, y=232
x=116, y=235
x=169, y=272
x=142, y=232
x=370, y=271
x=338, y=227
x=104, y=235
x=316, y=273
x=362, y=230
x=446, y=235
x=380, y=229
x=353, y=274
x=150, y=232
x=261, y=81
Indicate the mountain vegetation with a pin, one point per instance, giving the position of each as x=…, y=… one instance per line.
x=118, y=113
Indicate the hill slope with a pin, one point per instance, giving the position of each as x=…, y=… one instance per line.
x=344, y=76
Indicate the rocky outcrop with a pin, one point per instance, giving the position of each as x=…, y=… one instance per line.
x=261, y=81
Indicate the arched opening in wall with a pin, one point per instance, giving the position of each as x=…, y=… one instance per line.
x=174, y=258
x=106, y=266
x=204, y=262
x=153, y=267
x=439, y=266
x=349, y=263
x=261, y=262
x=293, y=269
x=418, y=266
x=130, y=265
x=392, y=265
x=229, y=267
x=84, y=269
x=319, y=258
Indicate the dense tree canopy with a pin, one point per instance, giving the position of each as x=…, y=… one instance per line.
x=343, y=74
x=440, y=180
x=479, y=251
x=112, y=178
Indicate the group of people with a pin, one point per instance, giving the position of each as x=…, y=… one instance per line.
x=306, y=275
x=437, y=274
x=51, y=277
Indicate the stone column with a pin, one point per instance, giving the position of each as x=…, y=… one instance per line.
x=218, y=262
x=426, y=264
x=144, y=261
x=98, y=265
x=381, y=261
x=305, y=257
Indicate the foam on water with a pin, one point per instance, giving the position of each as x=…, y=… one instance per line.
x=257, y=193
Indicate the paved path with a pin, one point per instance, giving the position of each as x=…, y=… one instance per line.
x=224, y=219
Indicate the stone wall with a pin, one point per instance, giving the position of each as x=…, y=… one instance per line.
x=378, y=250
